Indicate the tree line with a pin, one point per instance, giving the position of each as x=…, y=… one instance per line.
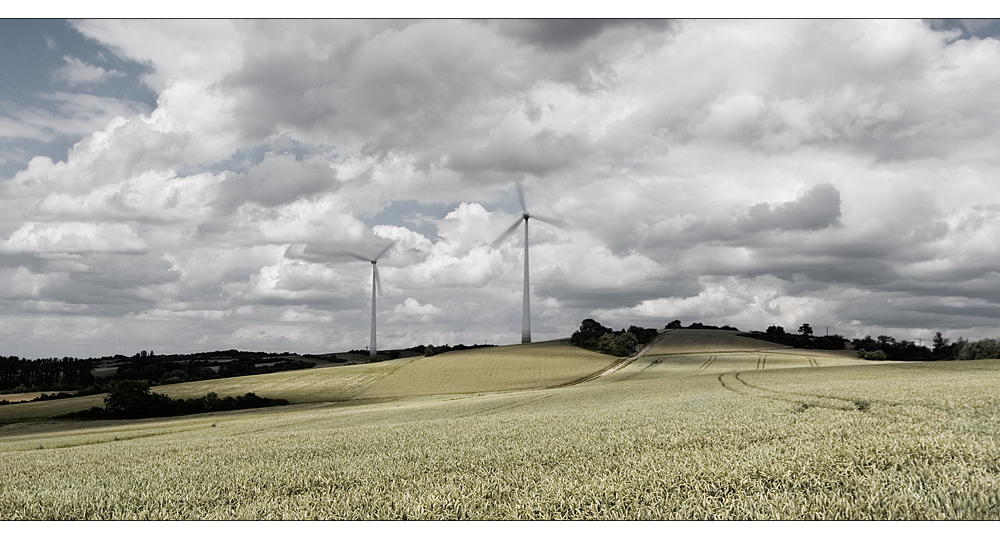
x=132, y=399
x=885, y=347
x=594, y=336
x=18, y=375
x=804, y=339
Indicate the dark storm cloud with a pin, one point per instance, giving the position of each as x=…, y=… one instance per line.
x=980, y=28
x=894, y=311
x=28, y=260
x=562, y=34
x=816, y=209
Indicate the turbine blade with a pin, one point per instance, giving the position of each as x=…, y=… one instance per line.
x=506, y=233
x=551, y=221
x=378, y=282
x=520, y=196
x=387, y=247
x=355, y=255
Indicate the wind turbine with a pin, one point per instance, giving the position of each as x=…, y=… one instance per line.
x=525, y=216
x=376, y=285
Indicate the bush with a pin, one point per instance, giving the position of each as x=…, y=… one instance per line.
x=874, y=355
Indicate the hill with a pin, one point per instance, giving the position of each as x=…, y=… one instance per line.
x=686, y=341
x=501, y=368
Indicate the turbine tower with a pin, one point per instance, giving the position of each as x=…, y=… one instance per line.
x=525, y=216
x=376, y=285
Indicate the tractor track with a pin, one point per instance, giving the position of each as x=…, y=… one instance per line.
x=733, y=382
x=618, y=365
x=705, y=365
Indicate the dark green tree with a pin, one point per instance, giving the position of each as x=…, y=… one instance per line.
x=589, y=334
x=617, y=344
x=131, y=399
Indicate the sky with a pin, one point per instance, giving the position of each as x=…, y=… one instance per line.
x=192, y=185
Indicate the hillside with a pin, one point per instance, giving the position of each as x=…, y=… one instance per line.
x=501, y=368
x=687, y=341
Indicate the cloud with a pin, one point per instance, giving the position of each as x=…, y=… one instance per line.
x=839, y=173
x=77, y=72
x=63, y=114
x=73, y=238
x=412, y=310
x=816, y=209
x=278, y=179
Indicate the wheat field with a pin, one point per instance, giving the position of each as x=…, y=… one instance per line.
x=678, y=436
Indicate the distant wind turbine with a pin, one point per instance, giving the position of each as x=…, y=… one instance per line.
x=526, y=315
x=376, y=285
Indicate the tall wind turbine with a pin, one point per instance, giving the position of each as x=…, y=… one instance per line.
x=376, y=285
x=525, y=216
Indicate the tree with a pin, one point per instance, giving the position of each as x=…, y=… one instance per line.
x=676, y=324
x=589, y=333
x=643, y=335
x=806, y=330
x=939, y=342
x=775, y=330
x=617, y=344
x=131, y=399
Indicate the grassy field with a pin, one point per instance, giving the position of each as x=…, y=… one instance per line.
x=795, y=435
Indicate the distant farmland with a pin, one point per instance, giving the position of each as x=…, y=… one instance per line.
x=707, y=425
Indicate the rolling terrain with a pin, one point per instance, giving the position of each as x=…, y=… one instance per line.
x=703, y=426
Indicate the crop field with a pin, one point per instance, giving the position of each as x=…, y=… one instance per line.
x=326, y=384
x=690, y=341
x=20, y=397
x=808, y=435
x=502, y=368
